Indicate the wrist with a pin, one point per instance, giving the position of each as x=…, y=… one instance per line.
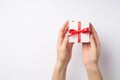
x=92, y=67
x=93, y=72
x=60, y=65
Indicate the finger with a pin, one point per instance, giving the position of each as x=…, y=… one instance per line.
x=95, y=35
x=66, y=29
x=92, y=41
x=85, y=45
x=62, y=32
x=66, y=40
x=70, y=45
x=63, y=28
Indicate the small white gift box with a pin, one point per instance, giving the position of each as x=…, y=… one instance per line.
x=79, y=31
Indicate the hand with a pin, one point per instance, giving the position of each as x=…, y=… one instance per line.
x=64, y=51
x=91, y=51
x=64, y=48
x=90, y=54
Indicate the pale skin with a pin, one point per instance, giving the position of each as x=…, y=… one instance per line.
x=90, y=55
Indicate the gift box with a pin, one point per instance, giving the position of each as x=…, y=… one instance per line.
x=79, y=31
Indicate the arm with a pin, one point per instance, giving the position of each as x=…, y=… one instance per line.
x=59, y=72
x=94, y=72
x=90, y=55
x=64, y=51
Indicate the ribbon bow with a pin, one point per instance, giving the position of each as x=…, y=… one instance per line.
x=74, y=32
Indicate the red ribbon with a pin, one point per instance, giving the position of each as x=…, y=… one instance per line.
x=74, y=32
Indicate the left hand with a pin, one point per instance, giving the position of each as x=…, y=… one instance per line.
x=91, y=51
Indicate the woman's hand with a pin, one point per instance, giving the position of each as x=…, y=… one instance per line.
x=91, y=51
x=64, y=48
x=64, y=51
x=90, y=54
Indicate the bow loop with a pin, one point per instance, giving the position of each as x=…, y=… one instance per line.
x=74, y=32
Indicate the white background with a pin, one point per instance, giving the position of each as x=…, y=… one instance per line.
x=28, y=34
